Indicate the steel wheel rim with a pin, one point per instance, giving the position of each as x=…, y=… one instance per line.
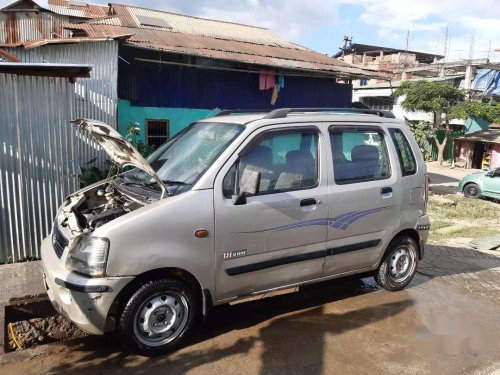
x=401, y=263
x=471, y=190
x=161, y=318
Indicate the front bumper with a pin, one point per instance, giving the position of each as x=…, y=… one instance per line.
x=423, y=226
x=84, y=300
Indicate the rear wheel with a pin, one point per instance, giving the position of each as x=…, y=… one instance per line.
x=399, y=264
x=158, y=317
x=472, y=190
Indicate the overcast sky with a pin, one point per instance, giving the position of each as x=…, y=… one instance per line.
x=321, y=24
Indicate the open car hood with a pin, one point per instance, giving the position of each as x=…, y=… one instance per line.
x=120, y=151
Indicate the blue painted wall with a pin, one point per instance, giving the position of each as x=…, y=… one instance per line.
x=179, y=117
x=475, y=125
x=183, y=95
x=148, y=84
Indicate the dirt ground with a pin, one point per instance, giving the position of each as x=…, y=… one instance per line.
x=446, y=322
x=445, y=170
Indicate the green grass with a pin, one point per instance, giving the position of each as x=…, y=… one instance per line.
x=464, y=218
x=464, y=208
x=439, y=224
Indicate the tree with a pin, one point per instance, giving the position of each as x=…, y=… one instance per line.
x=475, y=110
x=133, y=132
x=437, y=97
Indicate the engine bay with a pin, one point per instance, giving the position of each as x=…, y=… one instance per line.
x=92, y=208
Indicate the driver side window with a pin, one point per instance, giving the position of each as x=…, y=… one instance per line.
x=286, y=161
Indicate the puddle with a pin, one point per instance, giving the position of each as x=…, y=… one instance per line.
x=33, y=322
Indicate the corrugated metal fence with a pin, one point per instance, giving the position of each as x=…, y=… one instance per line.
x=39, y=150
x=18, y=27
x=96, y=97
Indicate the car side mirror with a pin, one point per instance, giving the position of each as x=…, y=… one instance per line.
x=249, y=185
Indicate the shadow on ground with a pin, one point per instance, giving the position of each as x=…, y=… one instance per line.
x=292, y=341
x=436, y=178
x=283, y=334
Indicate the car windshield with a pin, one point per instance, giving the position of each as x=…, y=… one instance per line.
x=182, y=160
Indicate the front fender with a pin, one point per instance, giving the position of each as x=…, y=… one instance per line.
x=161, y=235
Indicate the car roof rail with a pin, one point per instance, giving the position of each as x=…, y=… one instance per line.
x=283, y=112
x=226, y=112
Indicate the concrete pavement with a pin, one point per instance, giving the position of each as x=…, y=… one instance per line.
x=444, y=179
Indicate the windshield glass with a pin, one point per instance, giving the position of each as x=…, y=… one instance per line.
x=182, y=160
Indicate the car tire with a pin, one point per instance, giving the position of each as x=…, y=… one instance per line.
x=399, y=264
x=158, y=317
x=472, y=190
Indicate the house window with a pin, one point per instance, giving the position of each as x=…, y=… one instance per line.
x=157, y=132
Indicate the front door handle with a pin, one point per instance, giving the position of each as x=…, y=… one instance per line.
x=385, y=190
x=309, y=202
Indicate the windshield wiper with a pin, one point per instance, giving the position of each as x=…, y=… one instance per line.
x=174, y=182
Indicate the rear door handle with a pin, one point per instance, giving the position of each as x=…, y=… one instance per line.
x=309, y=202
x=386, y=190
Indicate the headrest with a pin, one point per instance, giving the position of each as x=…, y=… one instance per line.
x=298, y=156
x=364, y=153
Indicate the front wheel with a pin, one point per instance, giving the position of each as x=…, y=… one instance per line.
x=158, y=317
x=399, y=265
x=472, y=190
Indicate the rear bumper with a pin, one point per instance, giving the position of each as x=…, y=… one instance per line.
x=423, y=226
x=84, y=300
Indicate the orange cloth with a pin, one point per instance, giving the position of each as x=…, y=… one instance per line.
x=274, y=96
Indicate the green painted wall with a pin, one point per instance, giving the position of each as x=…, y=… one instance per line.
x=179, y=117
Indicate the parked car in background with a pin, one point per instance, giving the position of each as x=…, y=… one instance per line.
x=481, y=184
x=233, y=206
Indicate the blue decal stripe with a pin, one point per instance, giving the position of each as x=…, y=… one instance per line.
x=345, y=222
x=339, y=222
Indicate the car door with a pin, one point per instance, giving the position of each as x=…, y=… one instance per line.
x=365, y=198
x=278, y=237
x=491, y=184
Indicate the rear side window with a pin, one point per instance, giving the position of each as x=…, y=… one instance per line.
x=359, y=155
x=405, y=153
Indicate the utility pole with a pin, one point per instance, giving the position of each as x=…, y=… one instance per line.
x=407, y=38
x=442, y=72
x=347, y=42
x=471, y=45
x=468, y=70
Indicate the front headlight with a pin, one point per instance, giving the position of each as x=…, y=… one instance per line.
x=88, y=255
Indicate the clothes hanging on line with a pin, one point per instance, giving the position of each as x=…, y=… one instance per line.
x=274, y=96
x=281, y=80
x=267, y=79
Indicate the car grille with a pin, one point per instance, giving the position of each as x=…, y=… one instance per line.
x=58, y=241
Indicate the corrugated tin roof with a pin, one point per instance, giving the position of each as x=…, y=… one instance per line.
x=490, y=135
x=86, y=10
x=128, y=16
x=185, y=35
x=43, y=42
x=297, y=58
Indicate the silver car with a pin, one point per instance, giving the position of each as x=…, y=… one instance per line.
x=233, y=206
